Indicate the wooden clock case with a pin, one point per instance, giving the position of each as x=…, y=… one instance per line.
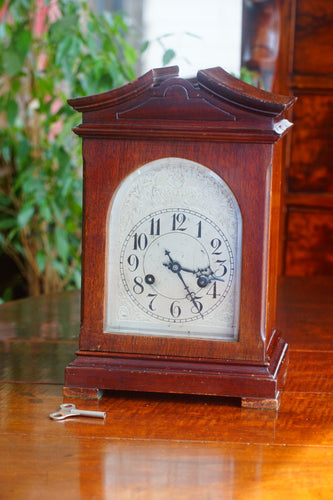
x=233, y=129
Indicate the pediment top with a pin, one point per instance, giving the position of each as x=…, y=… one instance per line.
x=214, y=81
x=127, y=92
x=240, y=93
x=212, y=106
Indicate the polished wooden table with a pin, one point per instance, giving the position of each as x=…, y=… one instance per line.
x=168, y=447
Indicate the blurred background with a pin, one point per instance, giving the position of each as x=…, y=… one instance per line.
x=52, y=50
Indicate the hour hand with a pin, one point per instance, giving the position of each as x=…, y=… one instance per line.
x=175, y=266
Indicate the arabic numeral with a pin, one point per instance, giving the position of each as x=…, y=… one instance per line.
x=216, y=245
x=138, y=288
x=212, y=290
x=153, y=296
x=155, y=226
x=199, y=229
x=175, y=310
x=222, y=268
x=140, y=241
x=178, y=221
x=197, y=307
x=133, y=262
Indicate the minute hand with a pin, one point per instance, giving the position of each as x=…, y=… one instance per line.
x=176, y=268
x=209, y=276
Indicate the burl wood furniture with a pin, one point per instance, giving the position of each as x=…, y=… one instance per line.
x=305, y=70
x=302, y=67
x=162, y=447
x=221, y=125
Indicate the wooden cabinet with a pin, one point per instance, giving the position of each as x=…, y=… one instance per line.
x=306, y=71
x=304, y=68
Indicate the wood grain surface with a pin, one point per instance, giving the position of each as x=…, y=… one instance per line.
x=305, y=71
x=313, y=37
x=157, y=446
x=310, y=242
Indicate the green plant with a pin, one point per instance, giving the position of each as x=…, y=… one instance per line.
x=50, y=51
x=250, y=76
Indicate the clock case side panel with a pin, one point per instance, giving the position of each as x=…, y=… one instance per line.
x=273, y=236
x=99, y=178
x=118, y=158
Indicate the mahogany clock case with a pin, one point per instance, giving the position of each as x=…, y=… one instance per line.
x=232, y=129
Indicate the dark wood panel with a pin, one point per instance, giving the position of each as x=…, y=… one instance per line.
x=311, y=168
x=313, y=200
x=309, y=243
x=313, y=37
x=305, y=70
x=312, y=84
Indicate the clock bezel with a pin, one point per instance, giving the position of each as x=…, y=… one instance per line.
x=129, y=211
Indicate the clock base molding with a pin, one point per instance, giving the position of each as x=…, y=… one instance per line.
x=258, y=385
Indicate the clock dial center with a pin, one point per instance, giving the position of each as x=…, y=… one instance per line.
x=177, y=265
x=165, y=258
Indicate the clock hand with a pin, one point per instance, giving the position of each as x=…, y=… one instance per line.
x=179, y=266
x=215, y=278
x=204, y=276
x=176, y=268
x=188, y=270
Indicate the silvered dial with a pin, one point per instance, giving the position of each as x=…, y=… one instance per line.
x=177, y=265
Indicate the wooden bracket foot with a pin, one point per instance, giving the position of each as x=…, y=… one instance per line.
x=82, y=392
x=262, y=403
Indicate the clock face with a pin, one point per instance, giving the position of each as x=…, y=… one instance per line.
x=174, y=234
x=177, y=265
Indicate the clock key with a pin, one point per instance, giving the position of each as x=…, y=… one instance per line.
x=68, y=410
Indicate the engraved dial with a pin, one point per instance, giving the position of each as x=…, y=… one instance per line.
x=174, y=238
x=177, y=265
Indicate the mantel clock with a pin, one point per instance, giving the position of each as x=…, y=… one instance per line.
x=182, y=184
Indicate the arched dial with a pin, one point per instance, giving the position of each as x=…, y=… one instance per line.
x=177, y=265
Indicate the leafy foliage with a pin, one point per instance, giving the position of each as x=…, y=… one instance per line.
x=46, y=57
x=251, y=77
